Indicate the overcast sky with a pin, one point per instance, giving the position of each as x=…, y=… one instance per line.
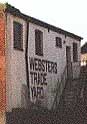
x=69, y=15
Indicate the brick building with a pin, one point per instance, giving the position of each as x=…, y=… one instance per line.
x=34, y=59
x=84, y=55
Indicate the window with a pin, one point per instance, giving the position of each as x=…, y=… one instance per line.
x=58, y=42
x=39, y=42
x=18, y=35
x=75, y=52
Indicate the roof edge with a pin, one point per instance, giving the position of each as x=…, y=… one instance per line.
x=16, y=12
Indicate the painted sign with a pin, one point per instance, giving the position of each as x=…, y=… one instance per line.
x=39, y=68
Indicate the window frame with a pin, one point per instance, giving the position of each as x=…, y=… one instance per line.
x=58, y=42
x=18, y=35
x=38, y=42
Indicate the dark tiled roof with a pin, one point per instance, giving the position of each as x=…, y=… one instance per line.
x=16, y=12
x=84, y=48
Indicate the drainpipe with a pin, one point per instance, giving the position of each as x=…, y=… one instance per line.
x=26, y=59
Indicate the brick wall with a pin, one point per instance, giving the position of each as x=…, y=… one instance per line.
x=2, y=62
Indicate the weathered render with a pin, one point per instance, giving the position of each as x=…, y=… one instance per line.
x=32, y=76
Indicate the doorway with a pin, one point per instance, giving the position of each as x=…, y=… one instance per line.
x=68, y=62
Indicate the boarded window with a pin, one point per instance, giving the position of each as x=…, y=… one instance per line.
x=58, y=42
x=39, y=42
x=18, y=35
x=75, y=52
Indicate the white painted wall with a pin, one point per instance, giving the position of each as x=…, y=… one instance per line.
x=15, y=62
x=16, y=68
x=54, y=54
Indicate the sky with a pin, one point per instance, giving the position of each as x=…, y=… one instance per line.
x=70, y=15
